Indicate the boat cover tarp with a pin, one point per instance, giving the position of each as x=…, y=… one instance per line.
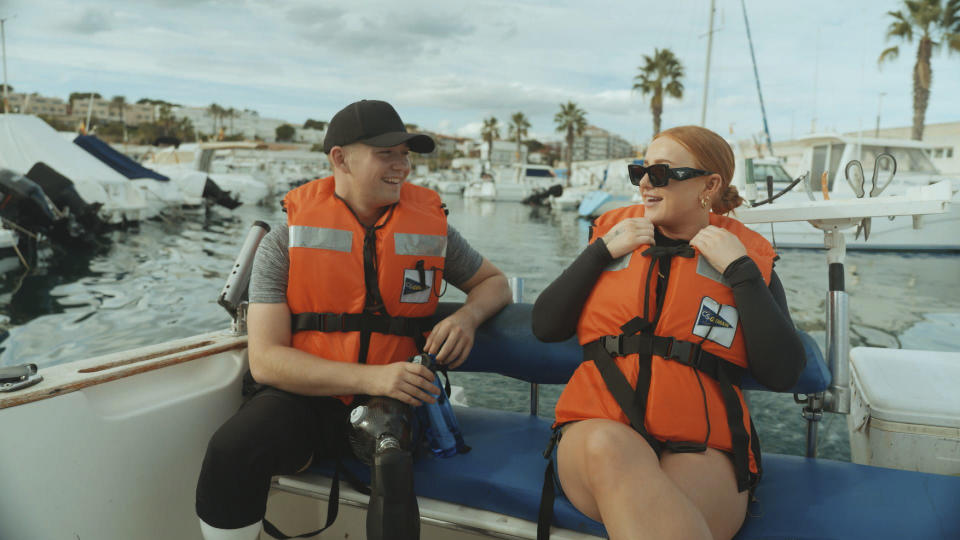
x=26, y=140
x=797, y=498
x=116, y=160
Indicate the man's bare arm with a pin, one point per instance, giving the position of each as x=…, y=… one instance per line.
x=275, y=362
x=487, y=293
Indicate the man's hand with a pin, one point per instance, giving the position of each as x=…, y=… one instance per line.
x=720, y=246
x=404, y=381
x=628, y=235
x=452, y=338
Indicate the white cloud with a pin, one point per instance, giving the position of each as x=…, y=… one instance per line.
x=452, y=64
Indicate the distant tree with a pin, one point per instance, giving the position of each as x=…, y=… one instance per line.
x=150, y=101
x=412, y=127
x=314, y=124
x=519, y=125
x=285, y=133
x=659, y=73
x=533, y=145
x=317, y=147
x=83, y=95
x=571, y=120
x=9, y=88
x=216, y=111
x=230, y=114
x=936, y=24
x=490, y=132
x=118, y=103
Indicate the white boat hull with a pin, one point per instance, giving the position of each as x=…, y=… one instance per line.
x=122, y=458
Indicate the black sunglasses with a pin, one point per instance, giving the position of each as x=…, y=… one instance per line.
x=661, y=173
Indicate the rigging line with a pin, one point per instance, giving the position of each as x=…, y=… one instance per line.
x=756, y=77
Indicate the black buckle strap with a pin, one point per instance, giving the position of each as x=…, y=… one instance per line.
x=356, y=322
x=687, y=353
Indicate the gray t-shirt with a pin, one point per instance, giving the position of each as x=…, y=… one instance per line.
x=271, y=265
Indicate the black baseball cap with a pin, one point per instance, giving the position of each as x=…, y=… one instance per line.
x=375, y=123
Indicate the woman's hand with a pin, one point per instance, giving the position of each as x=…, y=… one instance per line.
x=628, y=235
x=720, y=246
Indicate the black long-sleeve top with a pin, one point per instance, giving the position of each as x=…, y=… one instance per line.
x=774, y=351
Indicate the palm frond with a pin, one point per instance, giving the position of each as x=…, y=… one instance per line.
x=953, y=42
x=889, y=54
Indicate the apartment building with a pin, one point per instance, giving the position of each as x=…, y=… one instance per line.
x=599, y=144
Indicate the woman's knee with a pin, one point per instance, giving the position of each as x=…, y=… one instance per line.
x=610, y=450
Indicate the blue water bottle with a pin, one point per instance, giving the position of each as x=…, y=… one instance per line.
x=447, y=408
x=442, y=441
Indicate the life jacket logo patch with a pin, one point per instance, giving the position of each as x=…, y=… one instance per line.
x=415, y=291
x=716, y=322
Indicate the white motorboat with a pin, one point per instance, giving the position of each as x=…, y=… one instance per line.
x=826, y=159
x=510, y=184
x=110, y=447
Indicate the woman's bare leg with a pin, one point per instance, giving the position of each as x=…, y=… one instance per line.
x=708, y=481
x=610, y=473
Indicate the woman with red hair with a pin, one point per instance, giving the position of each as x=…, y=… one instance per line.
x=673, y=302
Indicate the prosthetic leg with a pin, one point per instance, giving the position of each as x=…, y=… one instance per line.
x=382, y=438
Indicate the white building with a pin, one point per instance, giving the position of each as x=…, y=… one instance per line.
x=504, y=153
x=599, y=144
x=247, y=123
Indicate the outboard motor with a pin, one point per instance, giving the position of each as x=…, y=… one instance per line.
x=382, y=437
x=213, y=193
x=60, y=190
x=24, y=203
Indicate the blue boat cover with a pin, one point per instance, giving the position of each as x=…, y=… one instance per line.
x=117, y=161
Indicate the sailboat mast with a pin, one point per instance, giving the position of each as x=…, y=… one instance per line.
x=756, y=76
x=706, y=76
x=3, y=38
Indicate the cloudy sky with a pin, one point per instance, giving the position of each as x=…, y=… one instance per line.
x=447, y=65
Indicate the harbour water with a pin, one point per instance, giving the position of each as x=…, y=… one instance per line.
x=160, y=282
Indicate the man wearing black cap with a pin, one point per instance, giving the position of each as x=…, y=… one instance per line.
x=340, y=296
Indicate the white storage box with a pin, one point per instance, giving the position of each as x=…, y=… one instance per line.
x=905, y=409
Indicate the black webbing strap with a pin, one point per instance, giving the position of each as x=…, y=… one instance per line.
x=333, y=507
x=739, y=438
x=687, y=353
x=355, y=322
x=547, y=496
x=619, y=387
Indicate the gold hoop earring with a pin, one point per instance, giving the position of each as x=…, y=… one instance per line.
x=704, y=202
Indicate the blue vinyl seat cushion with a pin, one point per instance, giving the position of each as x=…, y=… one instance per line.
x=797, y=497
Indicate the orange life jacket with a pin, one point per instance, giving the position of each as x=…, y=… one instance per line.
x=363, y=294
x=688, y=340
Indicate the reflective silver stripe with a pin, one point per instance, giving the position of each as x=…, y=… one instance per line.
x=422, y=245
x=619, y=264
x=320, y=238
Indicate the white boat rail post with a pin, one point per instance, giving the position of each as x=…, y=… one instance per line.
x=516, y=288
x=233, y=297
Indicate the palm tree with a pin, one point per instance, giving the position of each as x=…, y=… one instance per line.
x=118, y=103
x=936, y=24
x=216, y=111
x=489, y=133
x=572, y=120
x=519, y=125
x=660, y=73
x=230, y=113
